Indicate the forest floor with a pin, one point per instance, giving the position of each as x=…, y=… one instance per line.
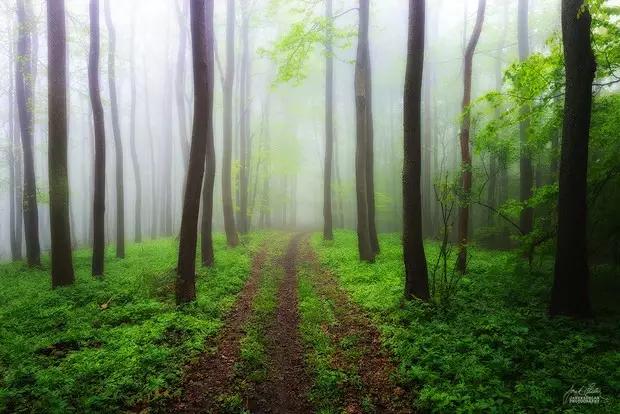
x=290, y=323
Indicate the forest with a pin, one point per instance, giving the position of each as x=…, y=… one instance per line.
x=310, y=206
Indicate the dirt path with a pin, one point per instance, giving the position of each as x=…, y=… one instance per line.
x=219, y=373
x=286, y=387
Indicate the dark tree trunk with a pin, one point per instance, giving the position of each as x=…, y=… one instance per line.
x=328, y=233
x=526, y=219
x=15, y=218
x=466, y=165
x=370, y=147
x=62, y=260
x=206, y=242
x=203, y=101
x=132, y=142
x=98, y=122
x=180, y=83
x=427, y=225
x=24, y=85
x=570, y=295
x=265, y=215
x=365, y=247
x=116, y=130
x=227, y=202
x=244, y=120
x=416, y=273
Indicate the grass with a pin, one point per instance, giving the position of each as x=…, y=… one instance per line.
x=493, y=349
x=104, y=345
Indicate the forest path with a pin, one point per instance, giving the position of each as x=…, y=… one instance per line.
x=260, y=363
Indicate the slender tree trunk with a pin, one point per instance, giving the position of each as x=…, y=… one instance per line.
x=366, y=251
x=570, y=295
x=16, y=249
x=98, y=122
x=526, y=219
x=370, y=151
x=180, y=82
x=416, y=273
x=24, y=84
x=149, y=127
x=62, y=259
x=116, y=129
x=203, y=101
x=244, y=120
x=328, y=233
x=427, y=225
x=466, y=165
x=227, y=202
x=132, y=138
x=265, y=218
x=206, y=244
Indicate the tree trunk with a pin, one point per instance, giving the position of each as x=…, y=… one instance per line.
x=570, y=294
x=227, y=203
x=244, y=120
x=265, y=216
x=427, y=226
x=466, y=165
x=61, y=257
x=15, y=218
x=370, y=151
x=365, y=247
x=206, y=243
x=98, y=122
x=328, y=233
x=203, y=101
x=154, y=199
x=180, y=82
x=24, y=85
x=116, y=129
x=526, y=220
x=132, y=141
x=416, y=273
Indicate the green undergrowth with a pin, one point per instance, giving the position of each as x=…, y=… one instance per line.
x=493, y=348
x=104, y=345
x=316, y=315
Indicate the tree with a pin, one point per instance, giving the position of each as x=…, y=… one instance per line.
x=24, y=88
x=206, y=242
x=362, y=98
x=570, y=294
x=244, y=120
x=466, y=166
x=99, y=127
x=416, y=273
x=62, y=259
x=232, y=237
x=526, y=219
x=328, y=232
x=203, y=102
x=116, y=132
x=15, y=212
x=132, y=139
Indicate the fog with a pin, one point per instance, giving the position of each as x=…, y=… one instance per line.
x=290, y=113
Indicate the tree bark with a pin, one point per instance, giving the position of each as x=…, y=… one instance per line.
x=99, y=125
x=328, y=232
x=24, y=87
x=61, y=257
x=244, y=120
x=203, y=101
x=526, y=220
x=416, y=273
x=365, y=247
x=15, y=218
x=206, y=243
x=570, y=294
x=227, y=203
x=154, y=199
x=132, y=142
x=116, y=130
x=466, y=165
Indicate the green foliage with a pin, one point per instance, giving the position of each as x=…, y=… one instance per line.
x=494, y=349
x=103, y=345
